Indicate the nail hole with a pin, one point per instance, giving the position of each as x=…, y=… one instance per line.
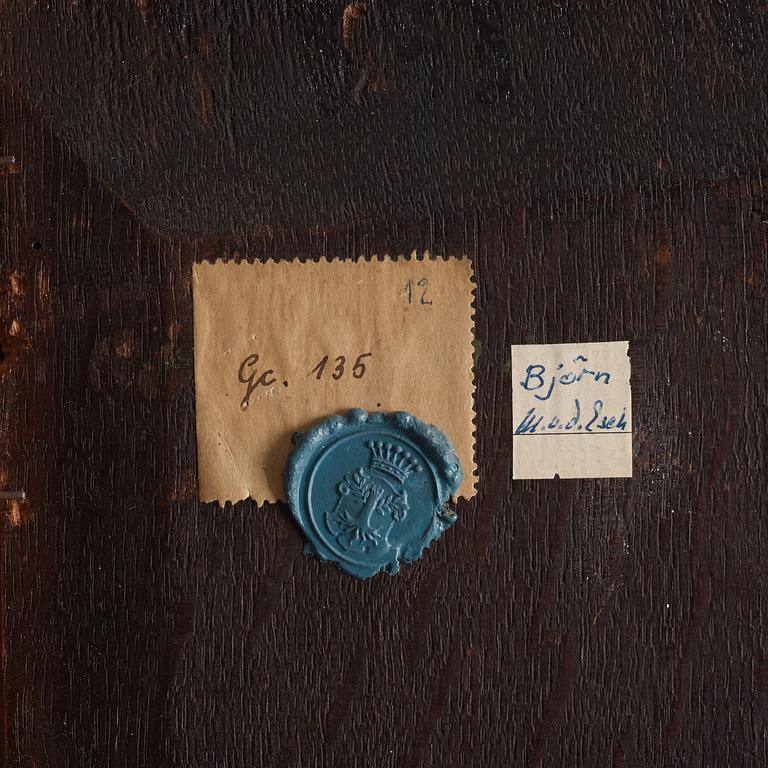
x=37, y=245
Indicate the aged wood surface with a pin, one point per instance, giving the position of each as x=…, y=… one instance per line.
x=601, y=164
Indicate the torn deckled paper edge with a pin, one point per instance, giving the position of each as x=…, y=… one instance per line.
x=292, y=314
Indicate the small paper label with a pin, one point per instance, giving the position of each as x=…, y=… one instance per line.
x=280, y=346
x=571, y=410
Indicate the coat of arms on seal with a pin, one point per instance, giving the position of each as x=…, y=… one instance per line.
x=373, y=499
x=371, y=490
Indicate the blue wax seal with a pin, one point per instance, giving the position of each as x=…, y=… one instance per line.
x=371, y=489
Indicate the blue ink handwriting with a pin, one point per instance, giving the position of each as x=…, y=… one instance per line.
x=535, y=379
x=593, y=422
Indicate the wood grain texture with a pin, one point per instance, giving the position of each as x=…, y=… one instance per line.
x=600, y=163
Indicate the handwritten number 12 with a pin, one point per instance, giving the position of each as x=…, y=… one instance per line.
x=409, y=291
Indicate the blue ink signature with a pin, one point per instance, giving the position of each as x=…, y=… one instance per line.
x=594, y=422
x=534, y=377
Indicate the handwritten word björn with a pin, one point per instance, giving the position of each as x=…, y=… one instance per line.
x=535, y=377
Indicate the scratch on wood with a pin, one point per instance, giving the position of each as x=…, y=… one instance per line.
x=350, y=20
x=663, y=280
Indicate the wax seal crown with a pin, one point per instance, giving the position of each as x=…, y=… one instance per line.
x=372, y=490
x=393, y=460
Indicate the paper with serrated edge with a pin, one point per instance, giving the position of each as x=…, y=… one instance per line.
x=294, y=313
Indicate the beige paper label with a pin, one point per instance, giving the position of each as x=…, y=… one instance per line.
x=571, y=410
x=281, y=345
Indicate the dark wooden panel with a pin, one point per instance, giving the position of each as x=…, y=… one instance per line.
x=212, y=116
x=578, y=623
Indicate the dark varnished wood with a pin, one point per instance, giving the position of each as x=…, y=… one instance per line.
x=568, y=623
